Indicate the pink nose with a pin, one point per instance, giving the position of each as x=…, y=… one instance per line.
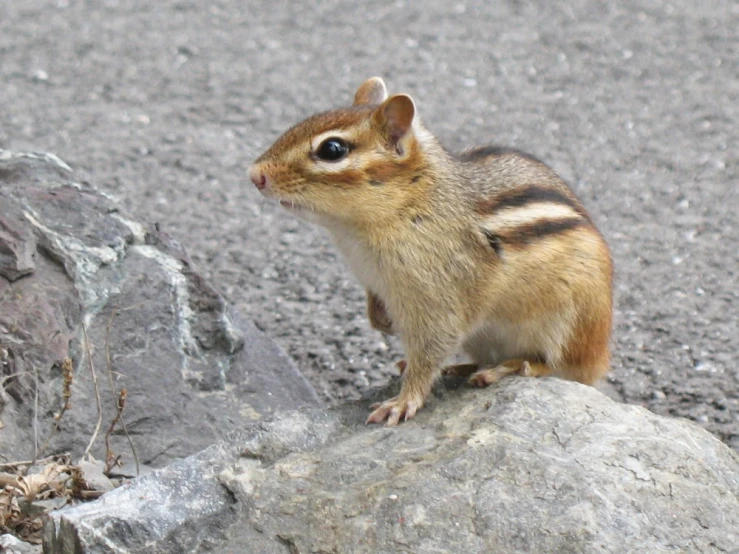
x=258, y=178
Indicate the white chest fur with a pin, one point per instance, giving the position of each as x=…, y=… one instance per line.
x=361, y=260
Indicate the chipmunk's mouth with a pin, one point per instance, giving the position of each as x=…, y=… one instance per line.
x=300, y=211
x=290, y=205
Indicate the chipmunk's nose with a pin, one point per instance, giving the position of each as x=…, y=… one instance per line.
x=257, y=177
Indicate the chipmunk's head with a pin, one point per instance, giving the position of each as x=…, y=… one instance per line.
x=356, y=164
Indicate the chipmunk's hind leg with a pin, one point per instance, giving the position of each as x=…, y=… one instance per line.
x=589, y=373
x=458, y=370
x=487, y=376
x=586, y=358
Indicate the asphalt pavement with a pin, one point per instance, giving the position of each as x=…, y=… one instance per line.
x=636, y=104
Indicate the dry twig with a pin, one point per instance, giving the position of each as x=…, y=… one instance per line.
x=97, y=393
x=35, y=411
x=11, y=376
x=42, y=461
x=68, y=375
x=120, y=405
x=110, y=459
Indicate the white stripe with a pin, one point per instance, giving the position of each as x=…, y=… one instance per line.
x=316, y=141
x=531, y=213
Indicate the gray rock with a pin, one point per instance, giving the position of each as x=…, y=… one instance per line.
x=17, y=247
x=192, y=371
x=186, y=492
x=12, y=545
x=527, y=466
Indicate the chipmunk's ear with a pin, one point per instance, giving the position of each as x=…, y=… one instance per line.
x=396, y=116
x=372, y=91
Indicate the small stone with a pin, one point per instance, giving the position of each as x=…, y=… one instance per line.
x=658, y=396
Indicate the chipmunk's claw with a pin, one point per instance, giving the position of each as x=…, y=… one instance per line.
x=378, y=404
x=394, y=409
x=526, y=370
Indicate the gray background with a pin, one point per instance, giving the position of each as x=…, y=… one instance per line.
x=165, y=105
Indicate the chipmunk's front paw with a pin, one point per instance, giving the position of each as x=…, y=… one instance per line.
x=392, y=410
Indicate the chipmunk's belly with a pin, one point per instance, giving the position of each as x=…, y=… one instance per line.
x=494, y=341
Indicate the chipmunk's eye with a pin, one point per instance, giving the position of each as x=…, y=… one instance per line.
x=332, y=150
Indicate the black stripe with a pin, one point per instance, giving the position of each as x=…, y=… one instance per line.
x=481, y=152
x=525, y=234
x=533, y=194
x=494, y=241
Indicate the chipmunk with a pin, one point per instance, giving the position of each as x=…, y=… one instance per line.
x=486, y=251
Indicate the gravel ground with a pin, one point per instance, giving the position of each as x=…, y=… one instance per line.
x=165, y=104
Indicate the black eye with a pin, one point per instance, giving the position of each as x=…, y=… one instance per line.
x=332, y=149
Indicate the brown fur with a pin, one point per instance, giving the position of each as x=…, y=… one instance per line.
x=377, y=314
x=521, y=195
x=489, y=251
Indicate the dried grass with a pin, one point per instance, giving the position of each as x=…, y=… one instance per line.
x=30, y=489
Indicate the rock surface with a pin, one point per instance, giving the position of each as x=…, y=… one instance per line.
x=11, y=545
x=192, y=371
x=634, y=103
x=527, y=466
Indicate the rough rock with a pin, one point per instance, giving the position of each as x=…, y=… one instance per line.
x=527, y=466
x=81, y=280
x=12, y=545
x=17, y=247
